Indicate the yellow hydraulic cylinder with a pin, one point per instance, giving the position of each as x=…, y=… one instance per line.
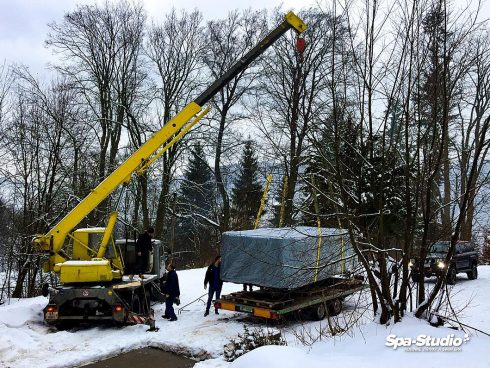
x=107, y=235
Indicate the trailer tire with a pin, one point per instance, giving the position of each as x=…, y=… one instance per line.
x=335, y=307
x=319, y=312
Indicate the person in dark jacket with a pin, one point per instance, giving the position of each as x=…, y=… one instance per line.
x=213, y=277
x=143, y=246
x=173, y=293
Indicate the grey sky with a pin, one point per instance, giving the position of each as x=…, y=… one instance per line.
x=23, y=23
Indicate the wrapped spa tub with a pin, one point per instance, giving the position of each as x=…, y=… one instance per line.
x=285, y=258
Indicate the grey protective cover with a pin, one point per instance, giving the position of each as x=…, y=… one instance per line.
x=285, y=258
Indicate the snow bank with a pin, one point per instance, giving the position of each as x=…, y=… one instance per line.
x=26, y=342
x=366, y=346
x=369, y=350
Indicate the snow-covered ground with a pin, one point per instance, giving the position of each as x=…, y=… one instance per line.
x=26, y=342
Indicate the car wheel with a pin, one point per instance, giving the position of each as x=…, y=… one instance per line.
x=64, y=325
x=415, y=277
x=451, y=276
x=473, y=274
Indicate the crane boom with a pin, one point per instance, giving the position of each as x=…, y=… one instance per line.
x=53, y=241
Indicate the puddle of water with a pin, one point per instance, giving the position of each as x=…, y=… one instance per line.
x=142, y=358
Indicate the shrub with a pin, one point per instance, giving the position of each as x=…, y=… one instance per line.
x=250, y=340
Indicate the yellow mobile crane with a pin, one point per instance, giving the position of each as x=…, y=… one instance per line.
x=91, y=277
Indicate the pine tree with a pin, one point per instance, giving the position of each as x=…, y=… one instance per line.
x=367, y=180
x=247, y=191
x=197, y=188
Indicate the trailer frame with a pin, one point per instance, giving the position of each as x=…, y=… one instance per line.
x=276, y=304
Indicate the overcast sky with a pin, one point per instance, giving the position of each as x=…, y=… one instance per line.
x=23, y=23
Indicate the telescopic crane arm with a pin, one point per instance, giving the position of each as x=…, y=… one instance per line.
x=52, y=242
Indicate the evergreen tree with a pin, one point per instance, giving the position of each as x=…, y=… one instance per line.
x=194, y=232
x=436, y=101
x=322, y=165
x=197, y=188
x=368, y=181
x=247, y=191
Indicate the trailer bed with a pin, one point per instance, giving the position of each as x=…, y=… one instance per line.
x=276, y=304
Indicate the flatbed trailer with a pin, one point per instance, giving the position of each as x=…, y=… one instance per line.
x=319, y=300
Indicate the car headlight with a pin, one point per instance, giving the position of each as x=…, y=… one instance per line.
x=441, y=264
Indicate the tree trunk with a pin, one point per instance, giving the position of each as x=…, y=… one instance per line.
x=225, y=217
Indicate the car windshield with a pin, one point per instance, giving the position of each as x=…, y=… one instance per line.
x=440, y=247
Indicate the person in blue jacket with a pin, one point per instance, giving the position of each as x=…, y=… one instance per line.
x=173, y=293
x=213, y=277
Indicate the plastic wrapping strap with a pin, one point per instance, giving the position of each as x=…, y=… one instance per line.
x=318, y=246
x=342, y=250
x=283, y=200
x=318, y=227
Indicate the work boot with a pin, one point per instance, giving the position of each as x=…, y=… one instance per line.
x=206, y=313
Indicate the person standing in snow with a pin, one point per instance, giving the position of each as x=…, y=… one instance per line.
x=213, y=277
x=173, y=293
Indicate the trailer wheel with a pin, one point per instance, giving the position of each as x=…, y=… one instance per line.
x=335, y=307
x=319, y=312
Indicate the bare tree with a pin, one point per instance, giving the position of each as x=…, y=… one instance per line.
x=175, y=48
x=6, y=79
x=475, y=98
x=227, y=40
x=476, y=124
x=293, y=95
x=100, y=48
x=40, y=155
